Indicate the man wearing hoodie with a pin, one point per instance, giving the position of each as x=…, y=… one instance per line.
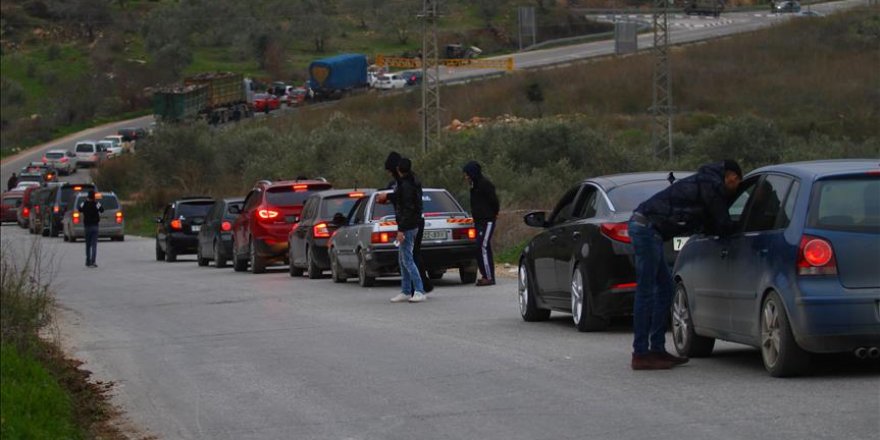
x=407, y=212
x=391, y=163
x=696, y=203
x=484, y=208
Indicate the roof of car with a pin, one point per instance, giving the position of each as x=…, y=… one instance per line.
x=57, y=151
x=613, y=180
x=233, y=200
x=278, y=183
x=823, y=168
x=14, y=193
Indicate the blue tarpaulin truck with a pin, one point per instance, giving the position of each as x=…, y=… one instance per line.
x=331, y=78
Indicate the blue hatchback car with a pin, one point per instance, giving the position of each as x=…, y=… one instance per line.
x=802, y=274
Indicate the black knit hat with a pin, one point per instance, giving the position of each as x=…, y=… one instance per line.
x=731, y=165
x=392, y=160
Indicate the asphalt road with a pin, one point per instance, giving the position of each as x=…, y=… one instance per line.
x=206, y=353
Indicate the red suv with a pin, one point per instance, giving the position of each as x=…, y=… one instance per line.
x=271, y=209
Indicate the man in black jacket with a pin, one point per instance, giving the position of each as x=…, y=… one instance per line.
x=91, y=210
x=408, y=211
x=696, y=203
x=391, y=163
x=484, y=208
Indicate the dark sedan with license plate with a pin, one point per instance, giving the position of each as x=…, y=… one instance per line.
x=365, y=246
x=582, y=261
x=799, y=276
x=215, y=236
x=178, y=229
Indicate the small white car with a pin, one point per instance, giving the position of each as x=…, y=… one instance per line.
x=62, y=160
x=390, y=81
x=112, y=149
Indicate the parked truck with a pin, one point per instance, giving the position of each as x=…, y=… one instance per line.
x=704, y=7
x=216, y=97
x=331, y=78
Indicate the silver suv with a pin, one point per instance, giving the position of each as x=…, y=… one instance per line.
x=112, y=219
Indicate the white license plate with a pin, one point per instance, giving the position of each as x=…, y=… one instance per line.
x=436, y=235
x=679, y=242
x=196, y=228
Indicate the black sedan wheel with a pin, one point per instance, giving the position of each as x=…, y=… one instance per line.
x=170, y=255
x=336, y=271
x=582, y=307
x=687, y=342
x=528, y=307
x=781, y=355
x=160, y=254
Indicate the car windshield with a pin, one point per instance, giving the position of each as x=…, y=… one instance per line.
x=194, y=209
x=108, y=201
x=286, y=196
x=85, y=148
x=30, y=178
x=69, y=192
x=627, y=197
x=433, y=203
x=851, y=204
x=52, y=155
x=106, y=144
x=337, y=205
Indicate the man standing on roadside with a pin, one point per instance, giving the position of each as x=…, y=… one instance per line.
x=391, y=163
x=407, y=212
x=91, y=210
x=695, y=203
x=12, y=182
x=484, y=208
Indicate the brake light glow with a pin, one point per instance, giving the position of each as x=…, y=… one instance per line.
x=76, y=218
x=300, y=187
x=25, y=211
x=267, y=214
x=816, y=257
x=356, y=195
x=77, y=188
x=118, y=217
x=616, y=231
x=225, y=226
x=623, y=286
x=176, y=224
x=380, y=237
x=64, y=159
x=464, y=234
x=321, y=231
x=56, y=209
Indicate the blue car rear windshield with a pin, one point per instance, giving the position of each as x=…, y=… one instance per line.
x=851, y=204
x=194, y=209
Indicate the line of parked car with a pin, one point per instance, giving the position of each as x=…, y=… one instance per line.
x=313, y=228
x=800, y=276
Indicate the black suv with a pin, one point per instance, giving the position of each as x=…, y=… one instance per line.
x=178, y=228
x=215, y=238
x=52, y=208
x=322, y=214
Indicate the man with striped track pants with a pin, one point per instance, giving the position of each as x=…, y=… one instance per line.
x=484, y=208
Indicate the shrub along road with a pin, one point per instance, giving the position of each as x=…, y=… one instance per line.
x=214, y=354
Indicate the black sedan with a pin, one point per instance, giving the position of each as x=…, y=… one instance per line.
x=322, y=214
x=178, y=228
x=582, y=261
x=215, y=235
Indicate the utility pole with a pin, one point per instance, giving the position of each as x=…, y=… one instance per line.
x=662, y=103
x=430, y=77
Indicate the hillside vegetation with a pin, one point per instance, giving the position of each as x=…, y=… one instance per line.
x=759, y=98
x=67, y=64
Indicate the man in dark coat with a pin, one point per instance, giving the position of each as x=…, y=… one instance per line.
x=695, y=203
x=91, y=210
x=12, y=182
x=391, y=163
x=407, y=212
x=484, y=208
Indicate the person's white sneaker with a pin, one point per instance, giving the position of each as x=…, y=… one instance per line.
x=400, y=298
x=418, y=297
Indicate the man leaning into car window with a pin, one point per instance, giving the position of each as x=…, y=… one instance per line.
x=695, y=203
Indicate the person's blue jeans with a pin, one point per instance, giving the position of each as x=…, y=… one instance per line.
x=91, y=244
x=653, y=291
x=410, y=279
